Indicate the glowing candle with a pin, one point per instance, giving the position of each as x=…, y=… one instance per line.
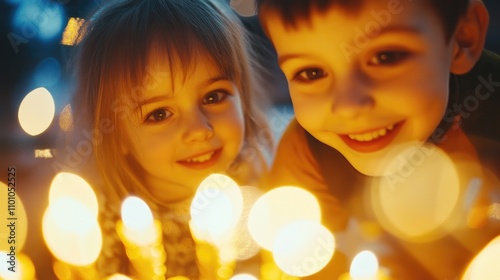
x=215, y=211
x=141, y=235
x=365, y=266
x=138, y=226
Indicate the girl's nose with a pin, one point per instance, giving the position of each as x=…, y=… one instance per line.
x=198, y=128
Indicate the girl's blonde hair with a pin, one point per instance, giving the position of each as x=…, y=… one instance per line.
x=112, y=65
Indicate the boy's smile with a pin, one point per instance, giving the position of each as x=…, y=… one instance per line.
x=366, y=81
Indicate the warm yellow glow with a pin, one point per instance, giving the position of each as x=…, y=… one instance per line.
x=43, y=153
x=277, y=208
x=71, y=232
x=36, y=111
x=303, y=248
x=23, y=269
x=11, y=201
x=136, y=213
x=422, y=183
x=118, y=277
x=71, y=185
x=243, y=244
x=66, y=118
x=364, y=266
x=216, y=209
x=71, y=34
x=138, y=223
x=485, y=265
x=243, y=276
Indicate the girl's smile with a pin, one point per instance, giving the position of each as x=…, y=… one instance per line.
x=203, y=160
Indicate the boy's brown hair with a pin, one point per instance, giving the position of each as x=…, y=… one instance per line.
x=448, y=11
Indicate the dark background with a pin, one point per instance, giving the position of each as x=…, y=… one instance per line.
x=40, y=60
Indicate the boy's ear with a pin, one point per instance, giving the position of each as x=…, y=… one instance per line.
x=469, y=38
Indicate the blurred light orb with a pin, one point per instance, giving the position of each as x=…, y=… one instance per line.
x=66, y=119
x=24, y=268
x=303, y=248
x=216, y=209
x=244, y=245
x=278, y=208
x=118, y=277
x=12, y=200
x=67, y=184
x=47, y=72
x=364, y=266
x=71, y=232
x=243, y=276
x=36, y=111
x=485, y=265
x=40, y=19
x=136, y=213
x=422, y=183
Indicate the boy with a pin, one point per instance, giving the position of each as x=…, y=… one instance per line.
x=369, y=78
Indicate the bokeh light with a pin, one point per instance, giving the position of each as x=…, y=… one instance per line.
x=244, y=245
x=136, y=213
x=66, y=118
x=364, y=266
x=24, y=268
x=216, y=209
x=71, y=232
x=243, y=276
x=303, y=248
x=279, y=207
x=47, y=72
x=36, y=111
x=67, y=184
x=41, y=19
x=21, y=220
x=485, y=265
x=422, y=183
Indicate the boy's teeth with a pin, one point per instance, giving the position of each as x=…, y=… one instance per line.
x=201, y=158
x=371, y=135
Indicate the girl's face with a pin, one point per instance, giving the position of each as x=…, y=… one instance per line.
x=183, y=128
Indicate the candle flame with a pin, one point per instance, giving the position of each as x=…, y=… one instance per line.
x=136, y=214
x=364, y=266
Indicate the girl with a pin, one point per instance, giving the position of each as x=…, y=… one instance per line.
x=166, y=90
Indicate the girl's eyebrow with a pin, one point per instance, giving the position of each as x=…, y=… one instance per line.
x=163, y=97
x=150, y=100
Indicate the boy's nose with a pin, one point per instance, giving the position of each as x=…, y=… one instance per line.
x=352, y=98
x=198, y=128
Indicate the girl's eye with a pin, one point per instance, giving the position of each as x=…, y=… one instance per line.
x=158, y=115
x=387, y=58
x=309, y=75
x=214, y=97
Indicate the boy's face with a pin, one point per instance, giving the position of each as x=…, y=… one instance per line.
x=367, y=81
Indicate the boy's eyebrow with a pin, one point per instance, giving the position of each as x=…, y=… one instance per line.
x=387, y=29
x=164, y=97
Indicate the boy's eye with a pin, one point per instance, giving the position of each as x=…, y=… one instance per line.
x=309, y=75
x=158, y=115
x=214, y=97
x=388, y=57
